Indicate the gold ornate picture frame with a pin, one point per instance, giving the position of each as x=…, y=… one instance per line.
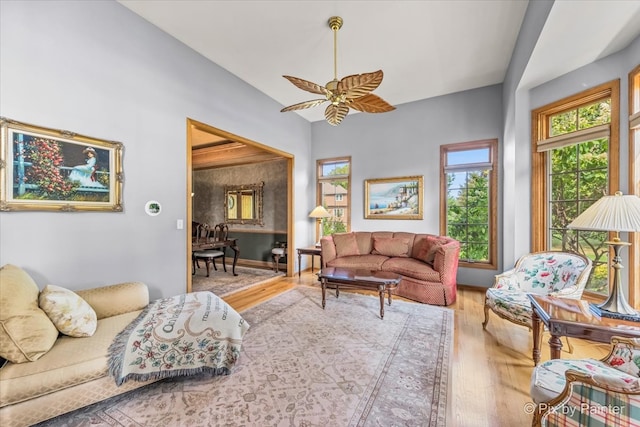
x=243, y=204
x=44, y=169
x=394, y=198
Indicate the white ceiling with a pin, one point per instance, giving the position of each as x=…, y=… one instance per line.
x=426, y=48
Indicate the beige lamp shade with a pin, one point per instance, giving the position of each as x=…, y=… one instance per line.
x=319, y=212
x=611, y=213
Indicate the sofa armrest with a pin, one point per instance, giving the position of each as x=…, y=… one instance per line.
x=446, y=262
x=112, y=300
x=328, y=249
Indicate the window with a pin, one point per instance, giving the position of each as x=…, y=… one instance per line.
x=468, y=194
x=575, y=163
x=334, y=187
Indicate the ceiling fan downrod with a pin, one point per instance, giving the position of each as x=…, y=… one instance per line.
x=335, y=23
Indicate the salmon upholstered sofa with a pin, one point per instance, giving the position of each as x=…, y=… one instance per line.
x=427, y=263
x=50, y=373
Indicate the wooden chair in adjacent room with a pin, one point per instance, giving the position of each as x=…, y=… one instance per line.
x=205, y=235
x=279, y=251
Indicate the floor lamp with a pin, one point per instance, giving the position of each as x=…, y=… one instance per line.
x=318, y=213
x=613, y=213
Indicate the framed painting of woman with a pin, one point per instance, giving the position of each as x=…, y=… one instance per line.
x=55, y=170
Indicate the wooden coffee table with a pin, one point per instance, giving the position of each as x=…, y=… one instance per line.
x=382, y=281
x=573, y=318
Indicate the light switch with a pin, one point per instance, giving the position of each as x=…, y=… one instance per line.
x=180, y=224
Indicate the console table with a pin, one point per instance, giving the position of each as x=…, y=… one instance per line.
x=313, y=251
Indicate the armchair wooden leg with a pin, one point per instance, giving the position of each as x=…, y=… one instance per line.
x=486, y=315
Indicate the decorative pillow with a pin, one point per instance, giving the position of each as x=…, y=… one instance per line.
x=395, y=246
x=26, y=333
x=71, y=314
x=430, y=246
x=346, y=244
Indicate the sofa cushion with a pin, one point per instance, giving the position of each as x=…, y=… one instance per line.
x=346, y=244
x=70, y=314
x=70, y=362
x=411, y=267
x=430, y=246
x=368, y=262
x=26, y=333
x=392, y=247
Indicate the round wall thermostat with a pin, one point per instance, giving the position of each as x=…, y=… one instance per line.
x=152, y=208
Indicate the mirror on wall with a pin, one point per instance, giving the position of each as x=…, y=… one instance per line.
x=243, y=204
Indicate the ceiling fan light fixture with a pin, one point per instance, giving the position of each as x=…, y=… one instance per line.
x=350, y=92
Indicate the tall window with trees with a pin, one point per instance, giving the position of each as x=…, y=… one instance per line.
x=468, y=193
x=334, y=189
x=575, y=163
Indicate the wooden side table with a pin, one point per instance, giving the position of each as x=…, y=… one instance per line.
x=572, y=318
x=313, y=251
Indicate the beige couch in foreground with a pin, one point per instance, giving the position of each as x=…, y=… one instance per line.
x=427, y=263
x=73, y=373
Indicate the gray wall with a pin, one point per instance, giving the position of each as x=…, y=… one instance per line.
x=407, y=142
x=96, y=68
x=208, y=188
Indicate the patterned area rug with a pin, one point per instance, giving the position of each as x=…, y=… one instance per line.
x=223, y=284
x=304, y=366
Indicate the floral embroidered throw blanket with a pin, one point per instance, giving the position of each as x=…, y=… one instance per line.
x=182, y=335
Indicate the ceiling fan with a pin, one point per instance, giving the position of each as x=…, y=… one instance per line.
x=351, y=92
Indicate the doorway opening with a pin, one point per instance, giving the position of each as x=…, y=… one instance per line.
x=217, y=148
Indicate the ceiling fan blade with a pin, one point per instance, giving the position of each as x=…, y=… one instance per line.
x=307, y=85
x=358, y=85
x=370, y=104
x=303, y=105
x=335, y=113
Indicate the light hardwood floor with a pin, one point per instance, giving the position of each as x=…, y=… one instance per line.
x=491, y=369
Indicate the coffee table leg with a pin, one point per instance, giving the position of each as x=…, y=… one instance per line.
x=381, y=292
x=535, y=324
x=324, y=291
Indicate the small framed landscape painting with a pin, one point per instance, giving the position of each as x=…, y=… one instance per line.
x=54, y=170
x=393, y=198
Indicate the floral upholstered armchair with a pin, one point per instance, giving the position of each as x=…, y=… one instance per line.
x=589, y=392
x=561, y=274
